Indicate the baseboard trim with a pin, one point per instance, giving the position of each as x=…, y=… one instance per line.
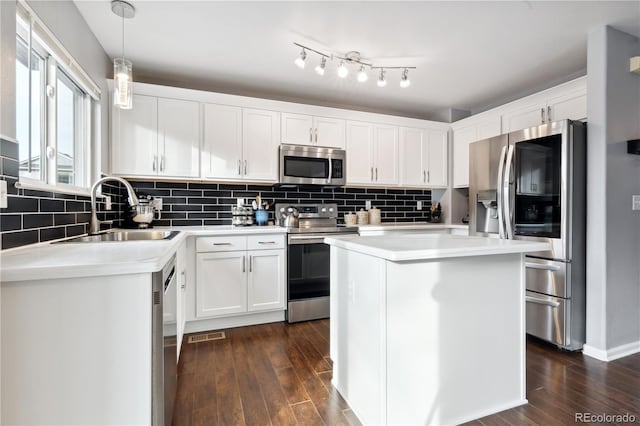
x=229, y=322
x=489, y=411
x=613, y=353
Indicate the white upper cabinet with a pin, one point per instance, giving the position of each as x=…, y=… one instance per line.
x=300, y=129
x=222, y=146
x=481, y=127
x=568, y=100
x=134, y=138
x=423, y=157
x=157, y=137
x=359, y=152
x=178, y=138
x=240, y=143
x=260, y=136
x=372, y=154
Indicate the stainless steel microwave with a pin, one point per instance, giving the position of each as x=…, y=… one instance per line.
x=312, y=165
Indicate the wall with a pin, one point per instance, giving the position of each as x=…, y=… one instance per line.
x=199, y=204
x=613, y=229
x=34, y=216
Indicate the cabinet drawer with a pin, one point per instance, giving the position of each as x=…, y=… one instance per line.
x=265, y=242
x=222, y=243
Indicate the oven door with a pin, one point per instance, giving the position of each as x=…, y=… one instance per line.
x=308, y=278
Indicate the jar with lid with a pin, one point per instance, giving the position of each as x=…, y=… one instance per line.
x=363, y=217
x=374, y=216
x=350, y=219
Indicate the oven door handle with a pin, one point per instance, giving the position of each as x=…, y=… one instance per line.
x=306, y=239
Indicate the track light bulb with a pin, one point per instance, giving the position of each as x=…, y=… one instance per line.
x=381, y=80
x=362, y=75
x=343, y=71
x=300, y=60
x=404, y=81
x=320, y=67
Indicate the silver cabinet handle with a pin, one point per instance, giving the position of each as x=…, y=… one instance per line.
x=551, y=303
x=245, y=167
x=372, y=174
x=155, y=162
x=162, y=163
x=266, y=242
x=310, y=134
x=542, y=115
x=239, y=167
x=316, y=133
x=250, y=263
x=549, y=114
x=244, y=263
x=542, y=266
x=376, y=174
x=428, y=176
x=184, y=279
x=222, y=244
x=424, y=176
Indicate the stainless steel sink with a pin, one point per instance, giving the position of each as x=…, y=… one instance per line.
x=123, y=236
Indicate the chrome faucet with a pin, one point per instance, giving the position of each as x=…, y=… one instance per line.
x=94, y=223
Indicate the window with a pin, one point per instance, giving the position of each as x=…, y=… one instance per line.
x=55, y=101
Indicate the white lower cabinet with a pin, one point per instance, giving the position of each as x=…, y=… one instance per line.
x=239, y=281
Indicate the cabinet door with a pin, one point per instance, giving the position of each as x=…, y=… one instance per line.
x=181, y=305
x=221, y=283
x=437, y=158
x=531, y=115
x=462, y=138
x=329, y=132
x=134, y=138
x=571, y=105
x=266, y=280
x=260, y=136
x=222, y=147
x=359, y=152
x=412, y=170
x=179, y=137
x=297, y=129
x=386, y=155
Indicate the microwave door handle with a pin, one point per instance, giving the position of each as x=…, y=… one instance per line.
x=330, y=170
x=501, y=229
x=506, y=195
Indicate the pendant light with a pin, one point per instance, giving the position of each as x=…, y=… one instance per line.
x=122, y=68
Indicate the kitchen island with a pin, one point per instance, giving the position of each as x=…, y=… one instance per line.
x=428, y=329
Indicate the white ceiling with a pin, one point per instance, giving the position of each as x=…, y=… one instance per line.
x=470, y=55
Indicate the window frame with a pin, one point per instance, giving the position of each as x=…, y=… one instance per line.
x=58, y=64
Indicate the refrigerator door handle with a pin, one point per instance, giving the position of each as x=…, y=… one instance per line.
x=499, y=186
x=551, y=303
x=506, y=193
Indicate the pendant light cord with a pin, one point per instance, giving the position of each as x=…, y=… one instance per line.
x=123, y=34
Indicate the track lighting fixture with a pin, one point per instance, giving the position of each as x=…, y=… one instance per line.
x=343, y=71
x=362, y=75
x=404, y=81
x=350, y=60
x=300, y=60
x=381, y=80
x=320, y=67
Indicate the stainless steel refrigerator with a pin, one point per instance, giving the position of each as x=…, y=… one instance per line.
x=531, y=185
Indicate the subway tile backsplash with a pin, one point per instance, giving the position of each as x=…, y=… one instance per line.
x=38, y=216
x=197, y=203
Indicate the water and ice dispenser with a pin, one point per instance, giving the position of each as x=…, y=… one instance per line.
x=487, y=211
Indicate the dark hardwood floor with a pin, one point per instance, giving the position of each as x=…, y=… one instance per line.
x=280, y=373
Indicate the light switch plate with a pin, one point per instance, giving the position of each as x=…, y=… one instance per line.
x=367, y=204
x=635, y=202
x=3, y=194
x=419, y=205
x=107, y=202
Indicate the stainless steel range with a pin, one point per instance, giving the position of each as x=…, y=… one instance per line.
x=308, y=257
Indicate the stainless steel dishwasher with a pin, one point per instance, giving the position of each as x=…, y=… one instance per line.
x=164, y=356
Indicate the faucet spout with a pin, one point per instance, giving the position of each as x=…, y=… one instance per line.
x=94, y=223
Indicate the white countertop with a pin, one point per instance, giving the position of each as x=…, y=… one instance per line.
x=423, y=247
x=410, y=226
x=72, y=260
